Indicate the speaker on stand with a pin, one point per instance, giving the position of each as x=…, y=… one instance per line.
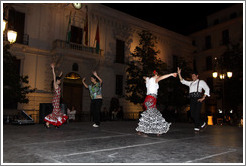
x=44, y=110
x=63, y=108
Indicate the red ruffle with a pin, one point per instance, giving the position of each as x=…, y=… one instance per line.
x=151, y=100
x=58, y=123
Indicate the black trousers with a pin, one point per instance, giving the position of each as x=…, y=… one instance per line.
x=195, y=109
x=96, y=105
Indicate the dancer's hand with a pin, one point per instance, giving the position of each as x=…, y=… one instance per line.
x=201, y=99
x=52, y=65
x=174, y=74
x=83, y=80
x=94, y=73
x=179, y=70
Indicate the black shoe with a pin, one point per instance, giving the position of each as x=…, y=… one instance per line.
x=57, y=127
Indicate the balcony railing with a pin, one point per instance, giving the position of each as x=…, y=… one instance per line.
x=65, y=45
x=25, y=39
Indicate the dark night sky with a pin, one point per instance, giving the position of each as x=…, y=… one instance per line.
x=183, y=18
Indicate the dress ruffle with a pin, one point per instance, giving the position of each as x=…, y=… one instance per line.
x=151, y=121
x=56, y=118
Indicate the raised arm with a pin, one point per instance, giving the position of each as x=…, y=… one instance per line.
x=54, y=75
x=60, y=75
x=165, y=76
x=83, y=81
x=95, y=74
x=179, y=73
x=187, y=83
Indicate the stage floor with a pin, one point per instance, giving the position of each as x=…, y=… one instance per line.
x=117, y=142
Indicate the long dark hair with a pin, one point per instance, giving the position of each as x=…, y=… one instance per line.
x=52, y=82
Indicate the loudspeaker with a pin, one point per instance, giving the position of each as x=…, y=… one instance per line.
x=44, y=110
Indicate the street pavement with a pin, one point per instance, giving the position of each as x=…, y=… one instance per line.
x=118, y=142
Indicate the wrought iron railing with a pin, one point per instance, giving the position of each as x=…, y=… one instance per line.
x=25, y=39
x=65, y=45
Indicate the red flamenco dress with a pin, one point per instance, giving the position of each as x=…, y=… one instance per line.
x=56, y=118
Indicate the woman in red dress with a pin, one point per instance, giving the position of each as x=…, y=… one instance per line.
x=56, y=118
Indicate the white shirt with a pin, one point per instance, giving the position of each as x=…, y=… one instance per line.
x=151, y=85
x=193, y=86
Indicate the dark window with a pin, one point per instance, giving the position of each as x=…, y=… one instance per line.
x=75, y=67
x=76, y=35
x=119, y=84
x=216, y=21
x=175, y=62
x=193, y=42
x=120, y=51
x=208, y=42
x=210, y=83
x=233, y=15
x=16, y=22
x=209, y=64
x=225, y=37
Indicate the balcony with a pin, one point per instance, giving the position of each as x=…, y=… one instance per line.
x=23, y=39
x=60, y=44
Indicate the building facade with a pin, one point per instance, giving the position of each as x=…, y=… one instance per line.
x=224, y=28
x=43, y=31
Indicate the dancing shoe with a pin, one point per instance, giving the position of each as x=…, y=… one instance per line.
x=196, y=130
x=204, y=126
x=95, y=125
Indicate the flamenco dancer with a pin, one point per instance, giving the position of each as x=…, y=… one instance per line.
x=151, y=121
x=196, y=98
x=95, y=89
x=56, y=118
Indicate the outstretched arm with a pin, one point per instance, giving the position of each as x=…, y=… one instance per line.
x=95, y=74
x=54, y=75
x=83, y=81
x=165, y=76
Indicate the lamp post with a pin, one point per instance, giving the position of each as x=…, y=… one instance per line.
x=222, y=74
x=11, y=34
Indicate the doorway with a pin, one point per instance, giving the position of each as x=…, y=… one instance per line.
x=73, y=95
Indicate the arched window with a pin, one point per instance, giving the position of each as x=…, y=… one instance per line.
x=75, y=67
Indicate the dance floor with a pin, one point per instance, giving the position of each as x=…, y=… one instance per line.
x=117, y=142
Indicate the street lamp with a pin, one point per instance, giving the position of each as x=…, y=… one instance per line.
x=229, y=74
x=11, y=34
x=4, y=23
x=221, y=74
x=215, y=74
